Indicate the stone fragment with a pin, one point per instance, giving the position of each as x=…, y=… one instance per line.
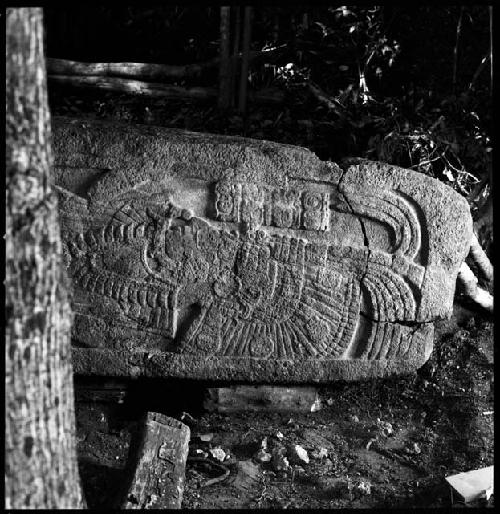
x=209, y=257
x=474, y=484
x=298, y=455
x=218, y=453
x=205, y=438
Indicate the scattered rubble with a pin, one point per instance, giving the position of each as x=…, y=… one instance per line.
x=385, y=427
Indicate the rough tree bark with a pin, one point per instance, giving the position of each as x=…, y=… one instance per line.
x=40, y=447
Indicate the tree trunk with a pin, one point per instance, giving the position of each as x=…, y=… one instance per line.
x=40, y=448
x=236, y=50
x=247, y=25
x=225, y=65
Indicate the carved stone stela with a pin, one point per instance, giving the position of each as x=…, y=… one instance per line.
x=203, y=256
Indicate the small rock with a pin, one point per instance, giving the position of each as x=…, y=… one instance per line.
x=263, y=444
x=205, y=437
x=279, y=435
x=329, y=402
x=322, y=453
x=298, y=454
x=201, y=453
x=354, y=418
x=218, y=454
x=416, y=448
x=262, y=456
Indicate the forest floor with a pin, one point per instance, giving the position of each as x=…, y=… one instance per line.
x=377, y=443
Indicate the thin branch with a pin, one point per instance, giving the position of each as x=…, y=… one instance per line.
x=491, y=50
x=480, y=68
x=455, y=51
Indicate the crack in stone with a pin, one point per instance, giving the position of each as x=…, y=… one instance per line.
x=359, y=218
x=416, y=325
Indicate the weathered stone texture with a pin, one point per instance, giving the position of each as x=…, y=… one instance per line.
x=202, y=256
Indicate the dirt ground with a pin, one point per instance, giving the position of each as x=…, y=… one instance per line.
x=378, y=443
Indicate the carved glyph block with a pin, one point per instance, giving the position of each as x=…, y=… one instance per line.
x=202, y=256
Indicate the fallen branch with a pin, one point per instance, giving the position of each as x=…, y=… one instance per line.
x=468, y=281
x=406, y=461
x=481, y=260
x=137, y=70
x=215, y=480
x=156, y=90
x=150, y=71
x=157, y=461
x=323, y=98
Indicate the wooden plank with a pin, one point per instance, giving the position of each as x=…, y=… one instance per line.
x=157, y=462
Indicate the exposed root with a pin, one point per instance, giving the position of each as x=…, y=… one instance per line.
x=477, y=294
x=480, y=258
x=215, y=480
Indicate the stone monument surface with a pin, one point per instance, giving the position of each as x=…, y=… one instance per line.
x=212, y=257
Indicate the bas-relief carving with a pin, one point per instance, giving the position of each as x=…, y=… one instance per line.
x=204, y=256
x=254, y=292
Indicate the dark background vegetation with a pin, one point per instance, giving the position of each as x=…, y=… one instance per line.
x=425, y=102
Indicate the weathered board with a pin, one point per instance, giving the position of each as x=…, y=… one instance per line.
x=202, y=256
